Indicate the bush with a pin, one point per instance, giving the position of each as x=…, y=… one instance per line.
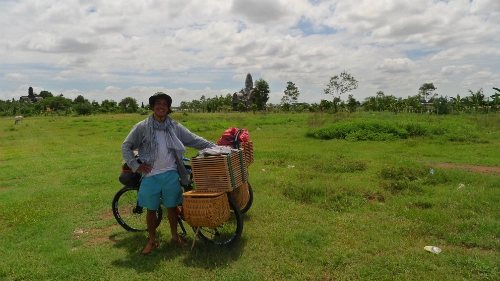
x=360, y=130
x=404, y=177
x=83, y=108
x=416, y=129
x=143, y=111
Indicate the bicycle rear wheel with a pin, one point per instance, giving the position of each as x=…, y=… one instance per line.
x=228, y=232
x=128, y=213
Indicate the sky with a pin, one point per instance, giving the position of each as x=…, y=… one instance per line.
x=189, y=48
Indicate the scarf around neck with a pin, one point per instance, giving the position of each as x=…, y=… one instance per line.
x=172, y=141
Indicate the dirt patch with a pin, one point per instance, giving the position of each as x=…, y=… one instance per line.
x=108, y=215
x=471, y=168
x=93, y=237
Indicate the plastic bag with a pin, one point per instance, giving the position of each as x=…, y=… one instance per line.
x=234, y=136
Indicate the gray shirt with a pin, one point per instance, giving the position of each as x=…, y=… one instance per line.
x=140, y=139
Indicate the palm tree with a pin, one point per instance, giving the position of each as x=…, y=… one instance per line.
x=456, y=102
x=477, y=98
x=496, y=98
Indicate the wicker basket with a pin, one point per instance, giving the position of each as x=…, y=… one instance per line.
x=219, y=173
x=241, y=195
x=247, y=152
x=205, y=209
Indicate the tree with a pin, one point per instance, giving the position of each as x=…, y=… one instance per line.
x=195, y=105
x=241, y=107
x=442, y=105
x=203, y=103
x=254, y=107
x=352, y=103
x=476, y=99
x=313, y=107
x=80, y=99
x=456, y=103
x=95, y=105
x=45, y=94
x=325, y=105
x=285, y=102
x=109, y=106
x=184, y=105
x=496, y=98
x=340, y=85
x=128, y=105
x=427, y=91
x=370, y=104
x=228, y=100
x=261, y=93
x=379, y=101
x=389, y=102
x=291, y=93
x=285, y=106
x=83, y=108
x=56, y=103
x=414, y=104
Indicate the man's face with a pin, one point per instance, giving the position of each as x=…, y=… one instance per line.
x=160, y=107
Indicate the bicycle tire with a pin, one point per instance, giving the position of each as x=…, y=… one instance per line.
x=250, y=200
x=128, y=214
x=228, y=232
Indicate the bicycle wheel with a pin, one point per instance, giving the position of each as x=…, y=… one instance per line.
x=250, y=200
x=226, y=233
x=128, y=214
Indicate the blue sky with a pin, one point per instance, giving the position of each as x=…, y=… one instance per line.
x=117, y=49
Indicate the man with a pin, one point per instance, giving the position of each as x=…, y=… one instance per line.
x=161, y=143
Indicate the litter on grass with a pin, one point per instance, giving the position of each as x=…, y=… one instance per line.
x=432, y=249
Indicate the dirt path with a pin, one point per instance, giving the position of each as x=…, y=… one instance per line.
x=471, y=168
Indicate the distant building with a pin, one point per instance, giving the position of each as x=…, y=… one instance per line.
x=30, y=97
x=244, y=96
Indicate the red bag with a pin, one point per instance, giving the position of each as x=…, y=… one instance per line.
x=233, y=136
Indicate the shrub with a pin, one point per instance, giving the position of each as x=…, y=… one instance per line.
x=416, y=129
x=375, y=130
x=404, y=177
x=83, y=108
x=143, y=111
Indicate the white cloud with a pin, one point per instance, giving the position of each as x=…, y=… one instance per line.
x=15, y=76
x=396, y=65
x=194, y=47
x=456, y=69
x=485, y=78
x=259, y=11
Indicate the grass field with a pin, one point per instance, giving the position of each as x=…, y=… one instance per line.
x=328, y=205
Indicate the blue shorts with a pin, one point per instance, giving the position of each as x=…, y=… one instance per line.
x=166, y=186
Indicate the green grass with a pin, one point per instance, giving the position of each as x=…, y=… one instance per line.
x=325, y=208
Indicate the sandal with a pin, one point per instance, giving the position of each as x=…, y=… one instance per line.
x=179, y=242
x=149, y=247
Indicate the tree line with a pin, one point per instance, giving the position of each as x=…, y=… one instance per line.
x=425, y=100
x=60, y=105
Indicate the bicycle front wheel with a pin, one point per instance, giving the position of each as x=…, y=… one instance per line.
x=128, y=213
x=228, y=232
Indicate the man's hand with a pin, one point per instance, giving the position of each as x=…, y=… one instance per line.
x=144, y=168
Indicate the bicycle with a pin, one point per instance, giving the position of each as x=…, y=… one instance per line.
x=132, y=217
